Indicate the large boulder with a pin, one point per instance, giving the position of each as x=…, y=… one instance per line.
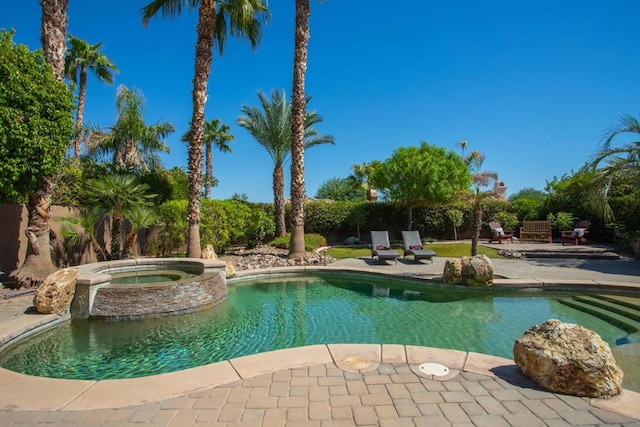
x=452, y=273
x=209, y=253
x=477, y=271
x=56, y=292
x=568, y=358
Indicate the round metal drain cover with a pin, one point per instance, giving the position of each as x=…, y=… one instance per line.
x=435, y=369
x=357, y=362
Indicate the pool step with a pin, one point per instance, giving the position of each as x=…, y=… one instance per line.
x=623, y=300
x=632, y=313
x=619, y=320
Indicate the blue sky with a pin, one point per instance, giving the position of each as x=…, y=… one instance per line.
x=533, y=84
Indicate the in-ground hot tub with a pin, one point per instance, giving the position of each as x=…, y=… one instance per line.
x=148, y=287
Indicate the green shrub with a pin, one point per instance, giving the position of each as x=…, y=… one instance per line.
x=311, y=241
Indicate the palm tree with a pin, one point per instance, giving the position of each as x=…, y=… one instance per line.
x=82, y=57
x=131, y=142
x=214, y=133
x=140, y=217
x=116, y=194
x=620, y=161
x=88, y=220
x=241, y=18
x=38, y=263
x=479, y=178
x=298, y=101
x=53, y=33
x=271, y=128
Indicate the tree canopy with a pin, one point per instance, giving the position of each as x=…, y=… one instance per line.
x=339, y=189
x=36, y=120
x=425, y=175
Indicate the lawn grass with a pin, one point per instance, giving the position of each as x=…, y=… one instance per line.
x=443, y=250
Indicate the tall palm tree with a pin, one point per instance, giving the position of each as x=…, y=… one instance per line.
x=116, y=194
x=53, y=33
x=81, y=57
x=214, y=133
x=132, y=144
x=298, y=101
x=619, y=161
x=240, y=18
x=271, y=128
x=38, y=264
x=479, y=179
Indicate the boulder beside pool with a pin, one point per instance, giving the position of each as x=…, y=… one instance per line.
x=56, y=292
x=568, y=358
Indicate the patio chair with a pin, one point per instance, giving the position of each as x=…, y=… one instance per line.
x=381, y=248
x=498, y=234
x=577, y=234
x=413, y=246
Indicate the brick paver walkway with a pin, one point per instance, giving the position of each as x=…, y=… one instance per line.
x=324, y=395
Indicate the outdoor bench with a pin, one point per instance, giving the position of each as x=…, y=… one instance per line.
x=535, y=230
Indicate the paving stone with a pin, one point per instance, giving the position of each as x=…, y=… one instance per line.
x=377, y=389
x=293, y=402
x=435, y=421
x=524, y=420
x=117, y=416
x=318, y=393
x=96, y=416
x=336, y=401
x=140, y=416
x=178, y=403
x=488, y=420
x=416, y=387
x=357, y=388
x=300, y=372
x=281, y=376
x=208, y=403
x=207, y=415
x=300, y=424
x=279, y=389
x=299, y=390
x=506, y=395
x=298, y=414
x=386, y=411
x=472, y=408
x=611, y=417
x=516, y=407
x=575, y=402
x=319, y=411
x=376, y=399
x=336, y=423
x=397, y=391
x=396, y=422
x=352, y=376
x=532, y=393
x=238, y=395
x=163, y=417
x=457, y=396
x=75, y=416
x=557, y=405
x=274, y=418
x=405, y=378
x=338, y=390
x=334, y=371
x=579, y=418
x=259, y=381
x=331, y=381
x=231, y=412
x=475, y=388
x=541, y=409
x=559, y=422
x=184, y=417
x=491, y=384
x=386, y=370
x=432, y=385
x=430, y=409
x=453, y=412
x=377, y=379
x=472, y=376
x=365, y=416
x=452, y=386
x=341, y=413
x=406, y=407
x=317, y=371
x=300, y=381
x=491, y=405
x=220, y=393
x=259, y=392
x=261, y=402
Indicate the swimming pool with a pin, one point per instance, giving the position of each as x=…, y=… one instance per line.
x=295, y=310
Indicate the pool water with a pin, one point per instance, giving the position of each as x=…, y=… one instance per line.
x=291, y=311
x=143, y=277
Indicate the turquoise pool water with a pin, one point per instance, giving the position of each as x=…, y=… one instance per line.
x=294, y=311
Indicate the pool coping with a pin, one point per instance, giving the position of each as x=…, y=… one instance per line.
x=17, y=391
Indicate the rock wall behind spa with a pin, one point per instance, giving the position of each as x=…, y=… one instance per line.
x=13, y=240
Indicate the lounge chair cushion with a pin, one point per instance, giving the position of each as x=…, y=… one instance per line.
x=498, y=231
x=416, y=247
x=382, y=248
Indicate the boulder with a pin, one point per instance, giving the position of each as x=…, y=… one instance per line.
x=477, y=271
x=568, y=358
x=56, y=292
x=229, y=270
x=209, y=253
x=452, y=273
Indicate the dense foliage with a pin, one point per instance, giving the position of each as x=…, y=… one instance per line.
x=340, y=189
x=36, y=120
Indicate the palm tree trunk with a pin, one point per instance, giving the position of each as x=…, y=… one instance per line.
x=476, y=225
x=53, y=34
x=298, y=107
x=204, y=57
x=116, y=233
x=278, y=201
x=38, y=264
x=82, y=94
x=208, y=177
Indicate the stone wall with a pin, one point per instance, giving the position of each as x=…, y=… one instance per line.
x=160, y=299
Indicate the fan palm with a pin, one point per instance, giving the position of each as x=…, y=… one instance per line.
x=140, y=217
x=479, y=178
x=619, y=161
x=131, y=142
x=116, y=194
x=271, y=128
x=241, y=18
x=214, y=133
x=81, y=57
